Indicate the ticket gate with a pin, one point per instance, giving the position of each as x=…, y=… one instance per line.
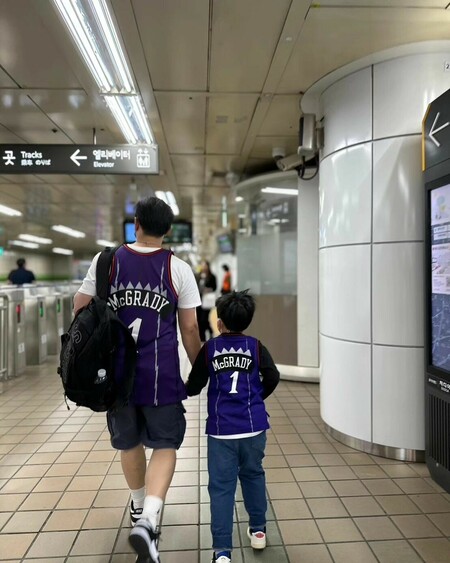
x=67, y=304
x=55, y=317
x=15, y=331
x=3, y=338
x=35, y=326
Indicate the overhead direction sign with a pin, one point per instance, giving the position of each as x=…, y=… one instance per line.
x=79, y=159
x=436, y=132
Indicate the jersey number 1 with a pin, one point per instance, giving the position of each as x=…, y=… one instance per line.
x=234, y=376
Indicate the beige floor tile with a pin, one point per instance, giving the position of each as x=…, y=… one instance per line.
x=401, y=470
x=72, y=457
x=382, y=487
x=308, y=554
x=354, y=552
x=52, y=484
x=433, y=550
x=316, y=489
x=339, y=472
x=327, y=508
x=274, y=461
x=377, y=528
x=77, y=499
x=442, y=521
x=106, y=499
x=8, y=471
x=32, y=471
x=394, y=551
x=44, y=458
x=52, y=544
x=16, y=485
x=26, y=522
x=354, y=458
x=179, y=514
x=15, y=545
x=86, y=483
x=41, y=501
x=294, y=449
x=303, y=532
x=416, y=526
x=397, y=504
x=284, y=490
x=362, y=506
x=62, y=470
x=94, y=542
x=414, y=485
x=186, y=538
x=290, y=509
x=322, y=448
x=98, y=518
x=287, y=438
x=301, y=460
x=65, y=520
x=96, y=468
x=302, y=474
x=339, y=530
x=431, y=503
x=325, y=460
x=279, y=475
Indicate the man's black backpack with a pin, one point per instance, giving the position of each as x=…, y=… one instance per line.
x=87, y=359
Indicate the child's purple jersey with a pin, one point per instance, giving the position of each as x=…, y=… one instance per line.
x=235, y=404
x=142, y=294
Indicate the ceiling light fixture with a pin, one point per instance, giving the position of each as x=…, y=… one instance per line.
x=10, y=211
x=65, y=251
x=170, y=199
x=23, y=243
x=39, y=240
x=280, y=191
x=68, y=231
x=94, y=33
x=103, y=242
x=238, y=198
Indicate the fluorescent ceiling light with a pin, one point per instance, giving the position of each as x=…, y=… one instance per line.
x=171, y=200
x=93, y=31
x=66, y=251
x=10, y=211
x=32, y=238
x=238, y=198
x=102, y=242
x=68, y=231
x=23, y=243
x=280, y=191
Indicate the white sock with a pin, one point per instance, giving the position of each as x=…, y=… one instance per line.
x=138, y=496
x=152, y=508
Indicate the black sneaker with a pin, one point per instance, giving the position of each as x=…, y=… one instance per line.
x=143, y=539
x=135, y=513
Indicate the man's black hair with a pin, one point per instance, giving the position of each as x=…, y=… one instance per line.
x=236, y=310
x=21, y=262
x=154, y=216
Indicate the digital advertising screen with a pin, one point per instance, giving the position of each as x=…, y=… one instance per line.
x=439, y=206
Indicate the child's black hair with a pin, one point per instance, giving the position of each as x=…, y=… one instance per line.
x=236, y=310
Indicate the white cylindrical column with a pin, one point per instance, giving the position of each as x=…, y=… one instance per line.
x=371, y=252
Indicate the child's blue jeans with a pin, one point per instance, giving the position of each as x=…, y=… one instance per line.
x=228, y=460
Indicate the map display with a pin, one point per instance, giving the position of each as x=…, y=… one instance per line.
x=440, y=277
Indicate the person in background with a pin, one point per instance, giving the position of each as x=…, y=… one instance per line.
x=226, y=282
x=21, y=275
x=152, y=290
x=207, y=285
x=241, y=374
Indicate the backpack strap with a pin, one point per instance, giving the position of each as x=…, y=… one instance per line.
x=103, y=271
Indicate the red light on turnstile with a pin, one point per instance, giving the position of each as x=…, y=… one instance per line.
x=18, y=311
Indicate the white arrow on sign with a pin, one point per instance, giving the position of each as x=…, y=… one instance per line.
x=75, y=158
x=433, y=131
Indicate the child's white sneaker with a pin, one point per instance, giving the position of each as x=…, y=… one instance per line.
x=257, y=539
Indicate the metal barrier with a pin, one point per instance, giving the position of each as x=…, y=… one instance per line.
x=3, y=337
x=35, y=325
x=55, y=317
x=16, y=331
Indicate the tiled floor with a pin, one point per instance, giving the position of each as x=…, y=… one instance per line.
x=63, y=496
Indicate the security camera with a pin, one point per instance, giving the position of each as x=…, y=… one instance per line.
x=278, y=153
x=289, y=162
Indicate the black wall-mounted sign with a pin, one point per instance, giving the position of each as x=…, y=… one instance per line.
x=436, y=131
x=79, y=159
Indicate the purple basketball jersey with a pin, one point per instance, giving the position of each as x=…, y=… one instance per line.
x=235, y=404
x=142, y=294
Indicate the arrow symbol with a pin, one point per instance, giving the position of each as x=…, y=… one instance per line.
x=75, y=158
x=433, y=131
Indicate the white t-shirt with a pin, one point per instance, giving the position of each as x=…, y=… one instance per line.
x=182, y=277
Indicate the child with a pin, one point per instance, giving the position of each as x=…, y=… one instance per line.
x=237, y=420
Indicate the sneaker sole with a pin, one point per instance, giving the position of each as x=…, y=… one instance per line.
x=141, y=545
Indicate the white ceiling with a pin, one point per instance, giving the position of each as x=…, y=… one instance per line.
x=221, y=82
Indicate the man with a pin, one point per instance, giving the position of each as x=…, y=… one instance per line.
x=149, y=289
x=21, y=275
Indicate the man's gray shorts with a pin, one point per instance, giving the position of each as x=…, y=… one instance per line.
x=156, y=427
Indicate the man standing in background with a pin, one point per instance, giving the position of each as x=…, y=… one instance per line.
x=151, y=289
x=21, y=275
